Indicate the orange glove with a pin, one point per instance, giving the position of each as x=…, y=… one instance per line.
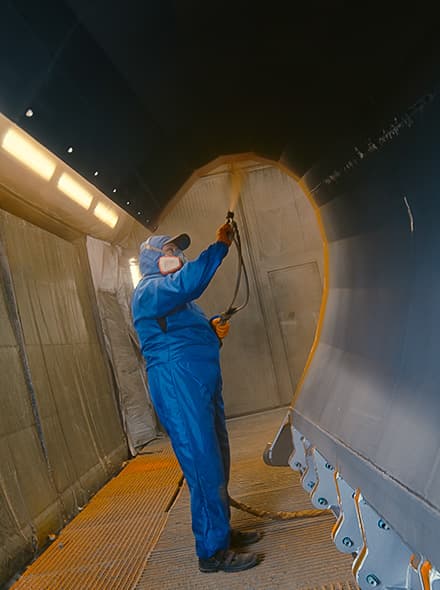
x=220, y=328
x=225, y=234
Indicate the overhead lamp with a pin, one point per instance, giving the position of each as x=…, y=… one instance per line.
x=134, y=271
x=28, y=153
x=74, y=190
x=106, y=215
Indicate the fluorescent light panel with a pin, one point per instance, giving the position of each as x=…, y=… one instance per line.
x=28, y=153
x=106, y=215
x=73, y=189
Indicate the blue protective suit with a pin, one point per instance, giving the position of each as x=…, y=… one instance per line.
x=185, y=383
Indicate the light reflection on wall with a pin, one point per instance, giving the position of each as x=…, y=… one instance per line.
x=134, y=271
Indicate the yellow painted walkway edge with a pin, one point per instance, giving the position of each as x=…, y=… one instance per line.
x=107, y=544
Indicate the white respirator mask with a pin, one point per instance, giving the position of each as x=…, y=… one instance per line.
x=168, y=263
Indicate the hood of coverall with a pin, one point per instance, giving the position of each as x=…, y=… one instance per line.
x=149, y=259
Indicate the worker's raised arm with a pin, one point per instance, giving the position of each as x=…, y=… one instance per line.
x=160, y=295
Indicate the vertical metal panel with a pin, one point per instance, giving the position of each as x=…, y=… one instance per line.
x=296, y=291
x=278, y=229
x=282, y=232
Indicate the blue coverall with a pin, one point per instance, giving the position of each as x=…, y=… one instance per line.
x=185, y=383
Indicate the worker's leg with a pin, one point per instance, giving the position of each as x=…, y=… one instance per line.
x=222, y=433
x=184, y=398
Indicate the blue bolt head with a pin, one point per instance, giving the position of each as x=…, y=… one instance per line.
x=347, y=542
x=373, y=580
x=311, y=484
x=328, y=466
x=383, y=525
x=322, y=502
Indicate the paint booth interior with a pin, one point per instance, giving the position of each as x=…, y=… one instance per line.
x=74, y=381
x=338, y=214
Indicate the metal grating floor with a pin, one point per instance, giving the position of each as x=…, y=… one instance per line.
x=106, y=545
x=298, y=555
x=126, y=539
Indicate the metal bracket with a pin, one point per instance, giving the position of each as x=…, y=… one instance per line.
x=297, y=460
x=346, y=534
x=428, y=575
x=324, y=493
x=414, y=575
x=434, y=579
x=384, y=559
x=309, y=478
x=278, y=451
x=421, y=575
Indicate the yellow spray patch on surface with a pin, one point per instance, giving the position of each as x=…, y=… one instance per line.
x=237, y=176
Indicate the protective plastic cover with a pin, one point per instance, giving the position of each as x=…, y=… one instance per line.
x=111, y=277
x=60, y=430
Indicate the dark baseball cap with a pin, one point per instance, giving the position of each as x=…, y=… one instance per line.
x=182, y=241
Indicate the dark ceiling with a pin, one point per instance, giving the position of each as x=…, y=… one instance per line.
x=148, y=91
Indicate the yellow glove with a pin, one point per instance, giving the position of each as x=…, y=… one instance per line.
x=221, y=328
x=225, y=234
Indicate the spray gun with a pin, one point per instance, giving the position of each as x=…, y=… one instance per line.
x=231, y=221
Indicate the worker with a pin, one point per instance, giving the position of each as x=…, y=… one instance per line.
x=181, y=348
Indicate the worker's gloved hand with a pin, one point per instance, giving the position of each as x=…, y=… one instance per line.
x=225, y=233
x=220, y=327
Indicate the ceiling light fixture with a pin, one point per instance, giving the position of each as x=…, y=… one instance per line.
x=29, y=113
x=73, y=189
x=70, y=150
x=106, y=215
x=28, y=153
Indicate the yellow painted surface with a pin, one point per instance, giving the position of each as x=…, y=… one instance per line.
x=107, y=544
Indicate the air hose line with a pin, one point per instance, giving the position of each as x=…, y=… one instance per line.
x=241, y=271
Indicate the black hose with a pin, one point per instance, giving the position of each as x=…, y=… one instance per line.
x=241, y=270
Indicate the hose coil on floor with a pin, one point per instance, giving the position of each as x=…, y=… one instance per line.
x=281, y=515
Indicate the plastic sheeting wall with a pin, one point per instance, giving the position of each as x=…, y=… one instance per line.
x=55, y=354
x=114, y=287
x=283, y=253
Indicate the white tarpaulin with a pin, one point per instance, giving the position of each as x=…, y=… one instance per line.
x=113, y=284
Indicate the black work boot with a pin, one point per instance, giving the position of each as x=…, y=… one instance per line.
x=244, y=538
x=226, y=560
